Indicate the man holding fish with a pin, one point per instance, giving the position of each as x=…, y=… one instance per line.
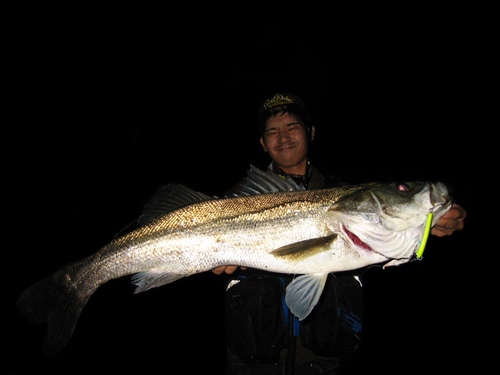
x=325, y=341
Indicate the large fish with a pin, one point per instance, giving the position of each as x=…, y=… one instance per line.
x=307, y=233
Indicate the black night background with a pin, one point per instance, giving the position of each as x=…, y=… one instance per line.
x=107, y=109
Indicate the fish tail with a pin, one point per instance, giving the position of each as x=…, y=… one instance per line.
x=57, y=301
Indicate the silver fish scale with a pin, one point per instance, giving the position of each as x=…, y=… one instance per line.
x=247, y=239
x=241, y=231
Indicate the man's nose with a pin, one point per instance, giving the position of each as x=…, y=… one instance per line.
x=284, y=137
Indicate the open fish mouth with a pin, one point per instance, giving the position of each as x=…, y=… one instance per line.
x=356, y=240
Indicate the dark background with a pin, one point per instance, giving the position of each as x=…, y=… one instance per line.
x=107, y=106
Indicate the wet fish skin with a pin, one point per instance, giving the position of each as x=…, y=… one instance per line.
x=299, y=232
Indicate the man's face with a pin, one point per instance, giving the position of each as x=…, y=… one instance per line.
x=285, y=139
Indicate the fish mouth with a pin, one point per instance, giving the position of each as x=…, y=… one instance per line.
x=356, y=240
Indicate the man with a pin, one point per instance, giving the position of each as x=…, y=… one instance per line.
x=261, y=333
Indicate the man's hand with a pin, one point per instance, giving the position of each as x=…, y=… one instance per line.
x=227, y=269
x=453, y=220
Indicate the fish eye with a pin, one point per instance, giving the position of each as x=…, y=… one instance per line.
x=403, y=187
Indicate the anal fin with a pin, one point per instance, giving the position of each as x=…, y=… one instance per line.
x=151, y=279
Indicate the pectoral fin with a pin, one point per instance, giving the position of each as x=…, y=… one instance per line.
x=305, y=248
x=304, y=292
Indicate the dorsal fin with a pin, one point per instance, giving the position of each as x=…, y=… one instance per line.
x=260, y=182
x=174, y=196
x=168, y=199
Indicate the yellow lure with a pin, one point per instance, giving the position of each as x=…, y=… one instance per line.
x=427, y=230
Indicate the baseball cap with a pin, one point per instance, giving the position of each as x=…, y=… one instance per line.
x=281, y=99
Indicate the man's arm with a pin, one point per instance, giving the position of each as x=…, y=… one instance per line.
x=453, y=220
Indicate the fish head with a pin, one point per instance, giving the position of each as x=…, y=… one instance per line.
x=387, y=220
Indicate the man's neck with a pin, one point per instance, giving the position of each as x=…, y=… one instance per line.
x=299, y=169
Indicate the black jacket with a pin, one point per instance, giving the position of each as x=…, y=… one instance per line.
x=258, y=324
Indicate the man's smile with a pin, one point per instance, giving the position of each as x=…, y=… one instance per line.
x=285, y=147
